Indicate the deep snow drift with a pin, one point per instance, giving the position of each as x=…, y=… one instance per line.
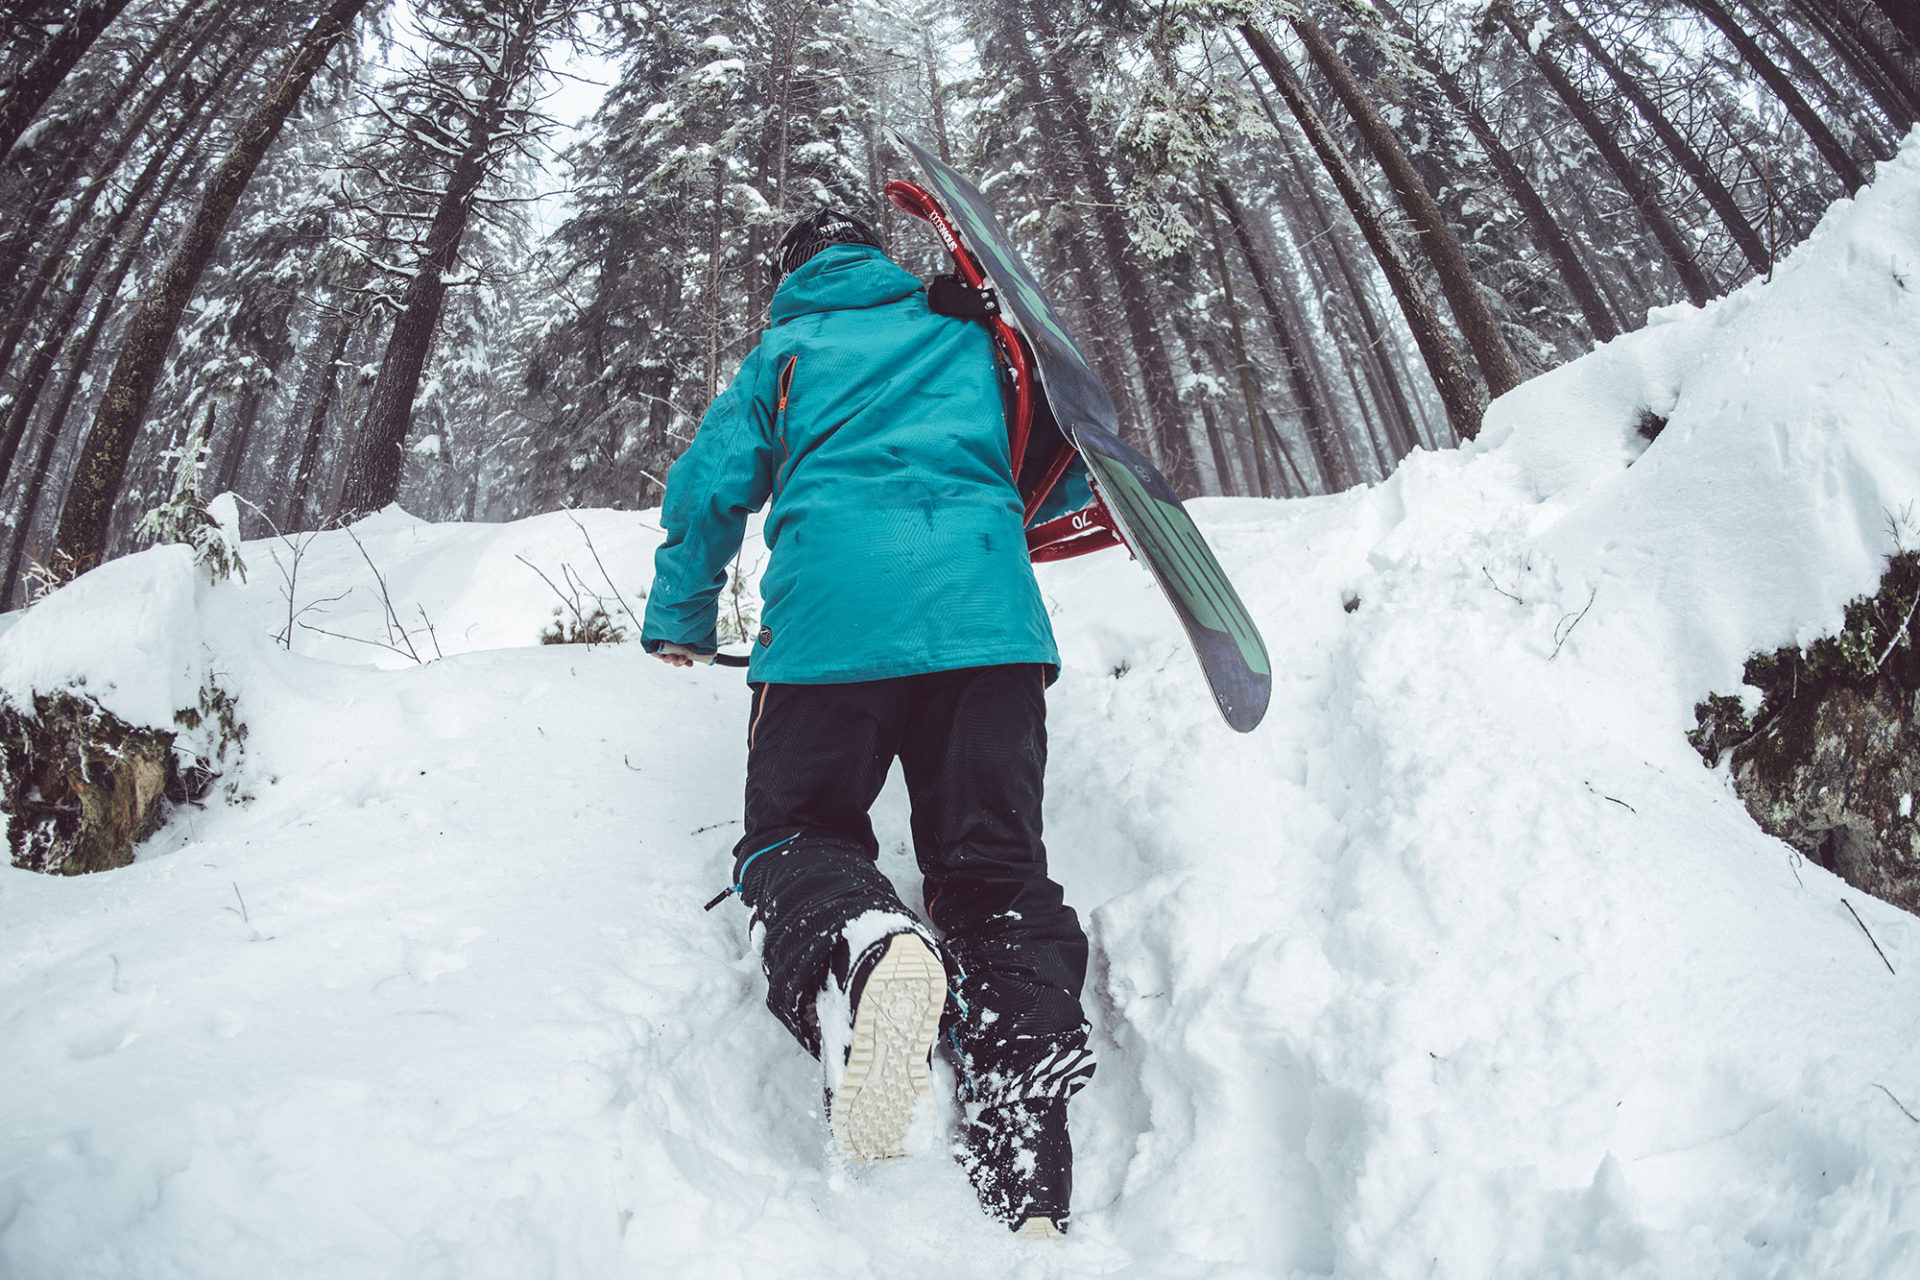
x=1461, y=965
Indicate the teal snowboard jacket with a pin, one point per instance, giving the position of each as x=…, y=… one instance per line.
x=876, y=430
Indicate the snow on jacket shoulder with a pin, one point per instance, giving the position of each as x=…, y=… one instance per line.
x=876, y=429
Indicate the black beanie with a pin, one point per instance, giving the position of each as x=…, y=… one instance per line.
x=816, y=232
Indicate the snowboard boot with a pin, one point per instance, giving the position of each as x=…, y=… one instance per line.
x=895, y=990
x=1020, y=1160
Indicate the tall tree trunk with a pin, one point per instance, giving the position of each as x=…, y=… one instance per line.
x=1286, y=455
x=1470, y=310
x=379, y=453
x=54, y=262
x=345, y=323
x=1808, y=119
x=314, y=373
x=1886, y=98
x=1700, y=288
x=713, y=276
x=783, y=20
x=1457, y=391
x=1201, y=405
x=103, y=458
x=1401, y=437
x=1335, y=470
x=936, y=97
x=1102, y=344
x=1546, y=229
x=1070, y=240
x=1613, y=285
x=187, y=164
x=1342, y=439
x=1323, y=241
x=26, y=392
x=227, y=478
x=1718, y=197
x=1170, y=434
x=1383, y=456
x=1217, y=446
x=37, y=81
x=1894, y=92
x=52, y=193
x=1905, y=17
x=1243, y=370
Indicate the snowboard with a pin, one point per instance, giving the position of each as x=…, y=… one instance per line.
x=1152, y=520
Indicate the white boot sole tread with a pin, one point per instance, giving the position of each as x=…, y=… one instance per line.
x=1039, y=1229
x=887, y=1081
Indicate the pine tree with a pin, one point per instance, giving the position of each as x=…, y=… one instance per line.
x=89, y=504
x=474, y=103
x=29, y=90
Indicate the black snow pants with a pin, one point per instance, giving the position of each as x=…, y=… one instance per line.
x=972, y=744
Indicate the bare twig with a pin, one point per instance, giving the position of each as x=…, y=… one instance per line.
x=1863, y=928
x=289, y=573
x=1896, y=1102
x=1899, y=635
x=430, y=632
x=243, y=904
x=573, y=604
x=595, y=552
x=1565, y=628
x=1497, y=587
x=386, y=600
x=580, y=587
x=1898, y=522
x=378, y=644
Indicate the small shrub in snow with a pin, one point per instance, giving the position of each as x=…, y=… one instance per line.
x=589, y=626
x=188, y=519
x=45, y=579
x=597, y=627
x=210, y=732
x=739, y=616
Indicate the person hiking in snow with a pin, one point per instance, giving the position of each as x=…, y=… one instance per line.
x=901, y=620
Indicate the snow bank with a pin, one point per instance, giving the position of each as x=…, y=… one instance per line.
x=1460, y=966
x=129, y=634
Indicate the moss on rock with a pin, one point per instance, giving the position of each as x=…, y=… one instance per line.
x=82, y=787
x=1830, y=762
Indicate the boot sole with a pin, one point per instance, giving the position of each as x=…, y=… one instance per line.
x=887, y=1080
x=1039, y=1229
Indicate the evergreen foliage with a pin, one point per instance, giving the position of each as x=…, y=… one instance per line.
x=491, y=304
x=186, y=519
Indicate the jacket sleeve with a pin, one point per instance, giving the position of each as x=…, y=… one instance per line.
x=725, y=475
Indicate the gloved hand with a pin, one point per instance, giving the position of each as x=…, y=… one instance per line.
x=678, y=655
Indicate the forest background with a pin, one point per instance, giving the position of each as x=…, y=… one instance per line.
x=493, y=257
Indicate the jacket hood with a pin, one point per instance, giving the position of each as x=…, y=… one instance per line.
x=840, y=278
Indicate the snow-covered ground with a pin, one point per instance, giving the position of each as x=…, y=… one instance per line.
x=1460, y=966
